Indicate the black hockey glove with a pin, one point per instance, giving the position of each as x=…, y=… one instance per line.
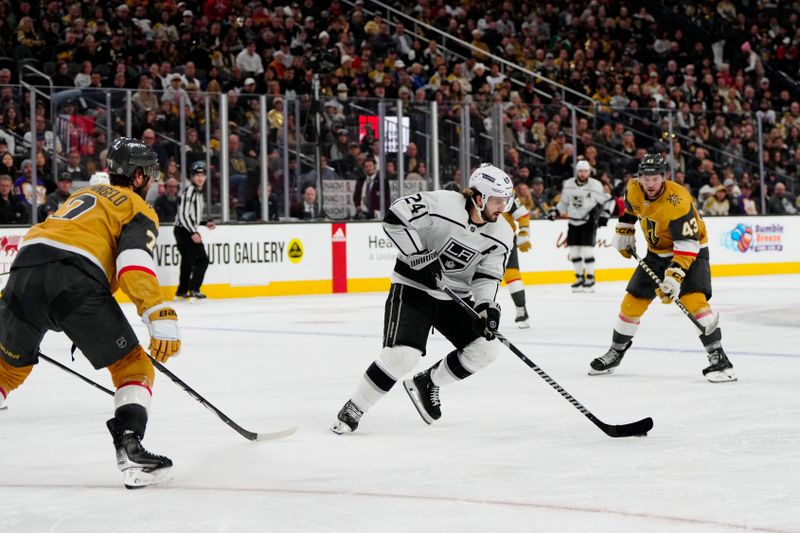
x=602, y=221
x=553, y=214
x=428, y=267
x=489, y=321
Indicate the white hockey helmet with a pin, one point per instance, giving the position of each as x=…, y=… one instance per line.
x=583, y=165
x=99, y=178
x=492, y=181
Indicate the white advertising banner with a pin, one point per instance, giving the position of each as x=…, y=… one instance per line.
x=253, y=255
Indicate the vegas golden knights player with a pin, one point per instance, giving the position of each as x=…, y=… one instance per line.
x=102, y=238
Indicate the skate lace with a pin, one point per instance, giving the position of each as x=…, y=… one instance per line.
x=433, y=393
x=609, y=357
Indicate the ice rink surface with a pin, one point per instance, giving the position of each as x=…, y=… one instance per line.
x=509, y=454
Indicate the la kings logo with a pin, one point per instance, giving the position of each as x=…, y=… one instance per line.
x=456, y=257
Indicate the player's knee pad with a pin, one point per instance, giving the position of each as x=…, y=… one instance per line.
x=134, y=367
x=587, y=252
x=12, y=377
x=479, y=354
x=511, y=275
x=633, y=307
x=398, y=361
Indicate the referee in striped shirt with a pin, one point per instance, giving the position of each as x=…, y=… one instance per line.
x=194, y=259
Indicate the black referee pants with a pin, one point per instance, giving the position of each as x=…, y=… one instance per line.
x=194, y=261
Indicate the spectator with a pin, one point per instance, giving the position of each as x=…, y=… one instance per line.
x=540, y=203
x=717, y=204
x=149, y=138
x=74, y=166
x=249, y=61
x=166, y=205
x=237, y=170
x=12, y=211
x=60, y=195
x=366, y=197
x=781, y=202
x=308, y=208
x=24, y=190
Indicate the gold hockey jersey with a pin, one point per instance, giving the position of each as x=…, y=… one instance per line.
x=107, y=226
x=671, y=224
x=517, y=214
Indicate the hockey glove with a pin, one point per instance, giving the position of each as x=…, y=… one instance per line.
x=670, y=288
x=165, y=335
x=428, y=267
x=489, y=321
x=624, y=238
x=523, y=240
x=553, y=214
x=602, y=220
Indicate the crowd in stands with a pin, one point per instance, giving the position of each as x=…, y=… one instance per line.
x=705, y=67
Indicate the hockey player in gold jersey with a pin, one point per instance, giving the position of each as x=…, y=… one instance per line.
x=102, y=238
x=518, y=215
x=677, y=251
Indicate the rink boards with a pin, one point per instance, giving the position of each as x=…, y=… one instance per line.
x=324, y=258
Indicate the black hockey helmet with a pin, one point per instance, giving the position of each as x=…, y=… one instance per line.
x=198, y=167
x=126, y=154
x=652, y=164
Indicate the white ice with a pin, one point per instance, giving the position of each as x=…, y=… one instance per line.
x=508, y=455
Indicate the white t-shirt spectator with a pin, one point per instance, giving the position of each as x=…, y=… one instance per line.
x=249, y=63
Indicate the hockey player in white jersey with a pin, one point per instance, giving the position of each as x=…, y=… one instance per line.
x=443, y=238
x=587, y=206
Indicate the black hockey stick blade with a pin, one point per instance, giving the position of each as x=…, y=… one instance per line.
x=640, y=428
x=249, y=435
x=634, y=429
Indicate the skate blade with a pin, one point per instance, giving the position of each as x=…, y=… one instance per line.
x=411, y=389
x=340, y=428
x=721, y=376
x=138, y=478
x=593, y=372
x=588, y=289
x=523, y=325
x=577, y=289
x=3, y=408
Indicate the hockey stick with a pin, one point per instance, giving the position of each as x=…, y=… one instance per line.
x=649, y=271
x=634, y=429
x=74, y=373
x=249, y=435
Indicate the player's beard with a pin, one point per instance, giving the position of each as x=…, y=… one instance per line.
x=489, y=216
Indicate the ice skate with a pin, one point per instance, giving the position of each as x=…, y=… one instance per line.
x=720, y=369
x=183, y=296
x=522, y=318
x=578, y=285
x=588, y=283
x=139, y=467
x=348, y=418
x=425, y=396
x=197, y=294
x=606, y=364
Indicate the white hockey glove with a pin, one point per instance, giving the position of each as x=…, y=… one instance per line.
x=165, y=335
x=670, y=288
x=523, y=240
x=624, y=238
x=489, y=321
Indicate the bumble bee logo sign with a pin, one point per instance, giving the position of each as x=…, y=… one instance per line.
x=295, y=251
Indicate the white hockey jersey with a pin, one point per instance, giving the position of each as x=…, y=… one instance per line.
x=473, y=257
x=579, y=201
